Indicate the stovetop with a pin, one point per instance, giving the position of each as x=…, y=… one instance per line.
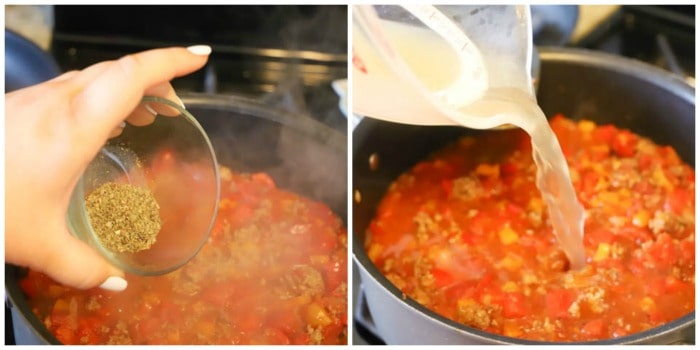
x=663, y=36
x=285, y=56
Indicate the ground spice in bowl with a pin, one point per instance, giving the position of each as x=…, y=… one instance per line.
x=124, y=217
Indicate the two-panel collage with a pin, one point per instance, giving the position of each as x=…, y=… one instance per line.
x=349, y=174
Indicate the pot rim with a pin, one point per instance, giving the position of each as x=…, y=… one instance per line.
x=639, y=69
x=244, y=105
x=584, y=57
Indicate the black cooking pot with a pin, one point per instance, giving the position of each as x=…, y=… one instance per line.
x=579, y=84
x=26, y=63
x=299, y=153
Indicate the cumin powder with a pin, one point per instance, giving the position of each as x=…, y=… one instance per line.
x=125, y=217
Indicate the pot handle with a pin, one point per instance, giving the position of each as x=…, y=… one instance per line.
x=362, y=314
x=8, y=302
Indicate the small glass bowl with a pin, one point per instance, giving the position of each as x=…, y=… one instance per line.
x=174, y=159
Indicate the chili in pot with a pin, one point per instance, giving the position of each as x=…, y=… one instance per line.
x=274, y=271
x=465, y=234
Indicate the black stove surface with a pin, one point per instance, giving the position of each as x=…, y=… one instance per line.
x=660, y=35
x=285, y=56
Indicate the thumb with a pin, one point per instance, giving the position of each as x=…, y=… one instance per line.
x=115, y=89
x=74, y=263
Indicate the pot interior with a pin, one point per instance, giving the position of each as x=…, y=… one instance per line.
x=577, y=83
x=299, y=153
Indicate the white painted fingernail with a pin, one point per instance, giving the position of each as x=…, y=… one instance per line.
x=200, y=50
x=150, y=109
x=114, y=283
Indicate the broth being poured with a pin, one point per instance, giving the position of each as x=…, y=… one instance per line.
x=433, y=63
x=553, y=178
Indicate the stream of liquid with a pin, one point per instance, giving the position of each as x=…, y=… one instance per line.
x=553, y=178
x=433, y=63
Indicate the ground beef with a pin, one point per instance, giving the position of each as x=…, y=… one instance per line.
x=303, y=280
x=467, y=188
x=473, y=314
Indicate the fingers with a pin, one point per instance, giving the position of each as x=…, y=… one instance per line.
x=117, y=130
x=144, y=114
x=118, y=86
x=141, y=116
x=164, y=90
x=71, y=262
x=65, y=76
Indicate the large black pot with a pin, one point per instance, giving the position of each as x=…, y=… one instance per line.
x=299, y=153
x=26, y=63
x=580, y=84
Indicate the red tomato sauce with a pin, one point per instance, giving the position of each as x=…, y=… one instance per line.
x=274, y=271
x=465, y=233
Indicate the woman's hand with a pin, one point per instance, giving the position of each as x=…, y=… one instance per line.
x=53, y=130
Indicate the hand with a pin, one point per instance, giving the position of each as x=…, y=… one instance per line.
x=53, y=130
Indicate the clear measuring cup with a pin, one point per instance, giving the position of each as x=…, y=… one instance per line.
x=441, y=65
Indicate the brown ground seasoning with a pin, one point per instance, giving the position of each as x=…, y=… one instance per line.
x=125, y=217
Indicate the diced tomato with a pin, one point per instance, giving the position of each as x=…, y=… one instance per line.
x=285, y=319
x=170, y=310
x=65, y=334
x=248, y=320
x=241, y=215
x=687, y=251
x=678, y=200
x=594, y=329
x=275, y=336
x=442, y=277
x=655, y=286
x=589, y=180
x=481, y=224
x=146, y=329
x=30, y=286
x=332, y=333
x=674, y=285
x=663, y=251
x=558, y=301
x=515, y=305
x=217, y=295
x=637, y=268
x=468, y=238
x=484, y=282
x=334, y=273
x=446, y=185
x=263, y=179
x=509, y=168
x=461, y=290
x=645, y=161
x=514, y=209
x=624, y=143
x=301, y=339
x=634, y=234
x=89, y=329
x=319, y=242
x=422, y=167
x=597, y=236
x=604, y=133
